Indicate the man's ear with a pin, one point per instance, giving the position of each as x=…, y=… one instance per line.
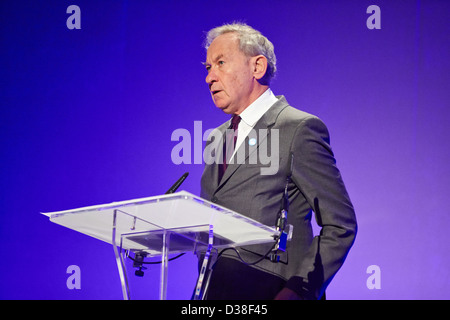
x=259, y=66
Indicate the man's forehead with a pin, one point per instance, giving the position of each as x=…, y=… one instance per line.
x=222, y=46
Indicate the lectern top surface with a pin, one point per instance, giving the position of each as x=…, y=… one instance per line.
x=177, y=211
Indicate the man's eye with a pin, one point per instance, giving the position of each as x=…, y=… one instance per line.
x=221, y=62
x=208, y=68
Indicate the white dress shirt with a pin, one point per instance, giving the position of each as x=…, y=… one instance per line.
x=251, y=115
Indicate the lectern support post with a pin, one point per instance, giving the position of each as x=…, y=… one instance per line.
x=208, y=261
x=164, y=266
x=119, y=260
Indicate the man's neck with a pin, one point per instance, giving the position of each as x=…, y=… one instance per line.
x=255, y=94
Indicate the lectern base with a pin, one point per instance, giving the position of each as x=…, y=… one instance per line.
x=193, y=238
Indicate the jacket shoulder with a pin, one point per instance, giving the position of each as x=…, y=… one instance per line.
x=291, y=116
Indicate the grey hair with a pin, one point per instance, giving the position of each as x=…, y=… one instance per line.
x=251, y=43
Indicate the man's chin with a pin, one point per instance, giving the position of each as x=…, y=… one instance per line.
x=224, y=108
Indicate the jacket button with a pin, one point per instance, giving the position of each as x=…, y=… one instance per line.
x=214, y=199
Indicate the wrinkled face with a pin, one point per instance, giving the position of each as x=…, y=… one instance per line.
x=230, y=76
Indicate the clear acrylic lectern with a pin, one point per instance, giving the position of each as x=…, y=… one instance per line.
x=163, y=225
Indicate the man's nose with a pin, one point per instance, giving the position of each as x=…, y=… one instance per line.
x=211, y=77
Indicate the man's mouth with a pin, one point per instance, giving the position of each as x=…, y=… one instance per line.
x=213, y=92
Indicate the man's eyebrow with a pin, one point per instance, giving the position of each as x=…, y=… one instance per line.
x=220, y=56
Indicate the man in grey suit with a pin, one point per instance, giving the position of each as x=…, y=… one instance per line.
x=240, y=64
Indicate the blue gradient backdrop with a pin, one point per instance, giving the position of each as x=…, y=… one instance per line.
x=86, y=118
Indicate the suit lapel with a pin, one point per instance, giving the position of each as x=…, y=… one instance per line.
x=212, y=170
x=266, y=122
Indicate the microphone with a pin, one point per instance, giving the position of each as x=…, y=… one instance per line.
x=281, y=221
x=138, y=260
x=177, y=184
x=284, y=207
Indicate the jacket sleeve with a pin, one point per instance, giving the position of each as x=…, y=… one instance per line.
x=316, y=175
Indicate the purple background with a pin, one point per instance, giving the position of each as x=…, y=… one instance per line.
x=86, y=118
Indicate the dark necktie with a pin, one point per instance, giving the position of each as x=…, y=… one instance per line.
x=229, y=144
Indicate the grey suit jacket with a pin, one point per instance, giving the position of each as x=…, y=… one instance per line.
x=309, y=263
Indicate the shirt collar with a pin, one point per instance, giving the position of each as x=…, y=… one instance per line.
x=256, y=110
